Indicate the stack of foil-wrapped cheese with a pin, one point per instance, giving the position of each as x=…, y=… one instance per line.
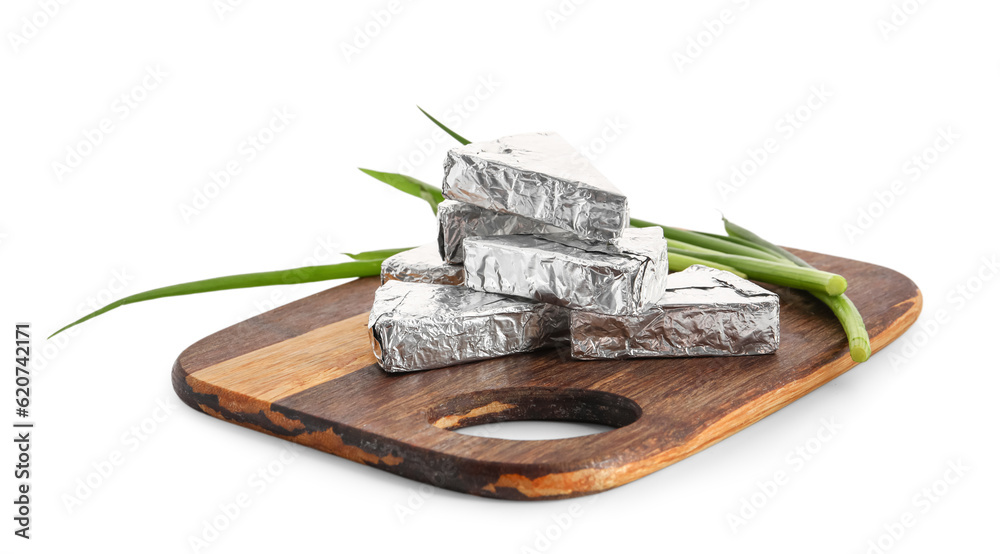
x=534, y=249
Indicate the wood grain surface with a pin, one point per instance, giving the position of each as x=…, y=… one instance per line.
x=305, y=372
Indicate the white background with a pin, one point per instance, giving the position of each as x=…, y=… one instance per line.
x=671, y=131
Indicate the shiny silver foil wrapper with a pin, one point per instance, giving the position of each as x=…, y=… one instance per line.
x=417, y=326
x=704, y=312
x=539, y=176
x=623, y=276
x=458, y=220
x=422, y=264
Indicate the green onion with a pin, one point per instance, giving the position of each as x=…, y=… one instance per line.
x=698, y=239
x=410, y=185
x=767, y=255
x=845, y=310
x=754, y=262
x=681, y=245
x=753, y=246
x=852, y=322
x=736, y=231
x=680, y=262
x=741, y=252
x=377, y=254
x=453, y=134
x=778, y=273
x=369, y=263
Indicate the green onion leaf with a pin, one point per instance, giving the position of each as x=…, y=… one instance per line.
x=762, y=253
x=777, y=273
x=680, y=262
x=680, y=245
x=444, y=128
x=735, y=230
x=377, y=254
x=410, y=185
x=704, y=241
x=367, y=264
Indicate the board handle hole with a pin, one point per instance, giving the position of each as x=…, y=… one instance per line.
x=590, y=411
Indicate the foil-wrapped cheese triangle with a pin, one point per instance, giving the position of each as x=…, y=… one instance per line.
x=422, y=264
x=459, y=220
x=622, y=276
x=539, y=176
x=416, y=326
x=703, y=312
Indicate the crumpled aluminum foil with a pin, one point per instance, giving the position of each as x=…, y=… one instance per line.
x=620, y=277
x=416, y=326
x=422, y=264
x=704, y=312
x=539, y=176
x=458, y=220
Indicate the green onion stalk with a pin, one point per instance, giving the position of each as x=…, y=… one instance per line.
x=365, y=264
x=841, y=306
x=740, y=252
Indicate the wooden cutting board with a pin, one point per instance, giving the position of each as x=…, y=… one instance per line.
x=305, y=372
